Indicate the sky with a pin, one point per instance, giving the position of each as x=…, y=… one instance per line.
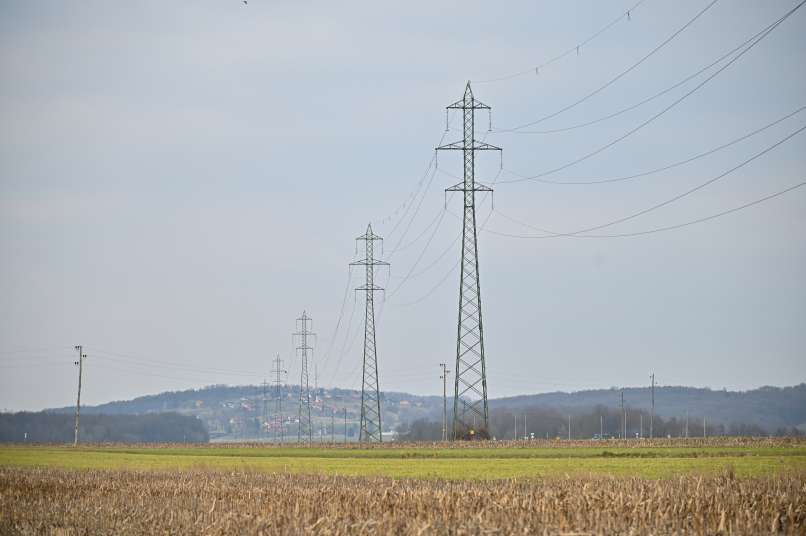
x=179, y=181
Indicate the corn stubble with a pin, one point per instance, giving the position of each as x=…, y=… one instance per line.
x=48, y=501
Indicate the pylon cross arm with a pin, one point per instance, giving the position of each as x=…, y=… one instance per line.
x=462, y=105
x=460, y=146
x=477, y=187
x=364, y=262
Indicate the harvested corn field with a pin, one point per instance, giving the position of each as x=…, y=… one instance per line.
x=48, y=501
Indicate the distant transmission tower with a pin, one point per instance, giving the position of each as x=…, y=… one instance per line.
x=470, y=383
x=305, y=431
x=278, y=372
x=370, y=393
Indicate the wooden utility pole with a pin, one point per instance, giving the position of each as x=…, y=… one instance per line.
x=80, y=363
x=652, y=414
x=444, y=379
x=623, y=418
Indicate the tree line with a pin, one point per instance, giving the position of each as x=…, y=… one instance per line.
x=47, y=427
x=538, y=422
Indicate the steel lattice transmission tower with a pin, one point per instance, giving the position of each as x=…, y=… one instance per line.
x=305, y=431
x=370, y=393
x=470, y=413
x=278, y=372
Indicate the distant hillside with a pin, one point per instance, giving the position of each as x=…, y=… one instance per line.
x=233, y=413
x=767, y=407
x=238, y=412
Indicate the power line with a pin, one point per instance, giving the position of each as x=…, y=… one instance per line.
x=413, y=216
x=419, y=257
x=419, y=236
x=664, y=110
x=445, y=277
x=700, y=220
x=448, y=274
x=433, y=289
x=672, y=199
x=326, y=357
x=436, y=260
x=116, y=366
x=618, y=76
x=644, y=101
x=659, y=229
x=116, y=356
x=345, y=340
x=536, y=69
x=407, y=204
x=674, y=164
x=410, y=275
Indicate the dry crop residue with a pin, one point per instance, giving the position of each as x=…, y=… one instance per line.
x=45, y=501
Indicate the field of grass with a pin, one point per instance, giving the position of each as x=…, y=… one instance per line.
x=477, y=463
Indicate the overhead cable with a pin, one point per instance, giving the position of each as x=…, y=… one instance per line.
x=627, y=15
x=642, y=102
x=667, y=167
x=618, y=76
x=667, y=227
x=664, y=110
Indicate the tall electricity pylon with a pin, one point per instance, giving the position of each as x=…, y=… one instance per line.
x=305, y=431
x=470, y=384
x=278, y=372
x=370, y=394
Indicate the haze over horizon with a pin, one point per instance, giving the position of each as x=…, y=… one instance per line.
x=179, y=181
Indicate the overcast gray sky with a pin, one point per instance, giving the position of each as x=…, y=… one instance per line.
x=180, y=180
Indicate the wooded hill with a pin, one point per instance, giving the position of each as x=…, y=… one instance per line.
x=237, y=412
